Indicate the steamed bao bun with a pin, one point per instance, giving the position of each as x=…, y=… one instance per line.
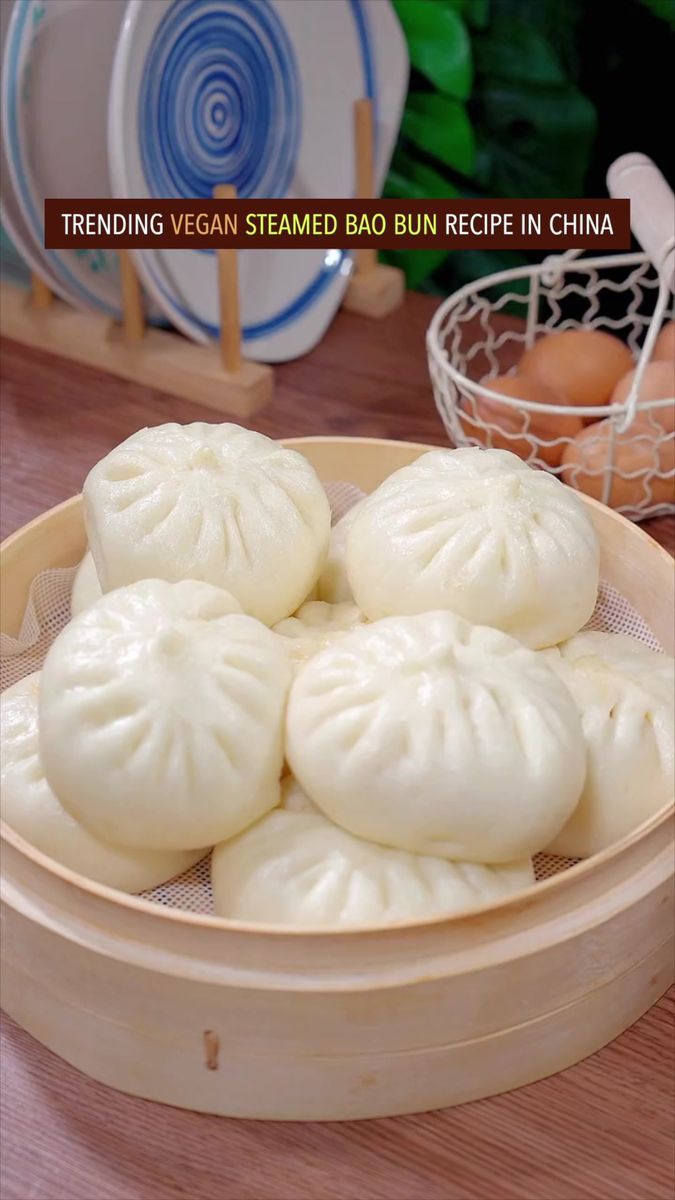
x=294, y=799
x=334, y=586
x=30, y=807
x=481, y=534
x=86, y=587
x=316, y=624
x=212, y=502
x=296, y=868
x=625, y=693
x=161, y=716
x=439, y=737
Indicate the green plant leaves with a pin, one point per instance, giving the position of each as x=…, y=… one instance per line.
x=438, y=44
x=441, y=127
x=535, y=129
x=418, y=265
x=665, y=9
x=469, y=265
x=526, y=130
x=536, y=143
x=410, y=179
x=475, y=12
x=518, y=52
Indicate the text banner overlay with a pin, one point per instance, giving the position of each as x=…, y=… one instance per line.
x=324, y=224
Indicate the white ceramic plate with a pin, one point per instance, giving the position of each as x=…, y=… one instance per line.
x=56, y=74
x=258, y=93
x=17, y=241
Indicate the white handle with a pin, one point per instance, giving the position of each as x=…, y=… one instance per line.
x=652, y=209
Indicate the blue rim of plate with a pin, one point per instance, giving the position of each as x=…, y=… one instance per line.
x=333, y=260
x=36, y=226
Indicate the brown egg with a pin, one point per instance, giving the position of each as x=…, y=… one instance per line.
x=664, y=346
x=584, y=364
x=504, y=420
x=586, y=462
x=658, y=383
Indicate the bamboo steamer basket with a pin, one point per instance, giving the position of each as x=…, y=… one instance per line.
x=250, y=1021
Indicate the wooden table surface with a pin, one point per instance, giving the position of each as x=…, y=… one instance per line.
x=603, y=1130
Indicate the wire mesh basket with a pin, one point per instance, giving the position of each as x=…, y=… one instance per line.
x=626, y=457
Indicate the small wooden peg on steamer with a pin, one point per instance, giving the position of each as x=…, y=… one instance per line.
x=375, y=289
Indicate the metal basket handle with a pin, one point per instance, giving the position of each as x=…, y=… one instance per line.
x=652, y=209
x=652, y=217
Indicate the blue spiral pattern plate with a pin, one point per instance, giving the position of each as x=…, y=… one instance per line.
x=220, y=95
x=258, y=93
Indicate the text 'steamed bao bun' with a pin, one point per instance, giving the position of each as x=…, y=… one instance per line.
x=419, y=669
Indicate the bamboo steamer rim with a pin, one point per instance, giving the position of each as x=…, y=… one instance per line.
x=134, y=903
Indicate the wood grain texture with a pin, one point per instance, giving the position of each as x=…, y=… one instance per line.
x=133, y=317
x=228, y=294
x=41, y=294
x=367, y=378
x=366, y=258
x=601, y=1131
x=160, y=359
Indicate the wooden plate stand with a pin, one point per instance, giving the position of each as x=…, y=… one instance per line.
x=216, y=374
x=375, y=288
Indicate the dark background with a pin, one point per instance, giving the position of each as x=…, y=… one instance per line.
x=527, y=98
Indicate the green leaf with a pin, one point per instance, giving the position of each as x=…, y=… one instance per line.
x=474, y=12
x=513, y=50
x=538, y=140
x=468, y=265
x=441, y=127
x=477, y=13
x=412, y=180
x=417, y=265
x=557, y=21
x=438, y=44
x=664, y=9
x=409, y=179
